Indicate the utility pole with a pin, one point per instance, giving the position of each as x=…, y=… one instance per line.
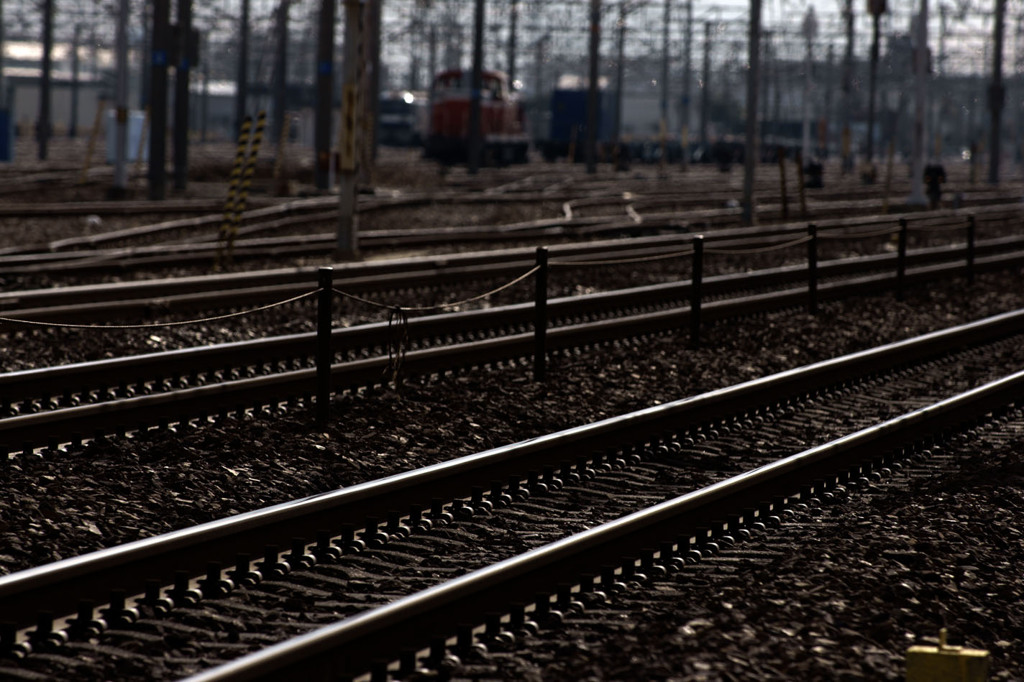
x=43, y=126
x=687, y=77
x=810, y=30
x=619, y=76
x=147, y=46
x=847, y=99
x=706, y=89
x=242, y=78
x=827, y=117
x=752, y=155
x=664, y=71
x=73, y=120
x=121, y=135
x=593, y=101
x=324, y=94
x=371, y=43
x=280, y=71
x=3, y=81
x=415, y=40
x=181, y=94
x=766, y=67
x=513, y=20
x=347, y=245
x=997, y=94
x=917, y=197
x=158, y=100
x=876, y=7
x=476, y=141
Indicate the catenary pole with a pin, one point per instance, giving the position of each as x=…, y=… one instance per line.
x=752, y=155
x=158, y=100
x=593, y=94
x=619, y=77
x=242, y=76
x=705, y=101
x=996, y=94
x=75, y=71
x=847, y=98
x=121, y=133
x=687, y=77
x=43, y=125
x=876, y=7
x=476, y=142
x=324, y=94
x=513, y=21
x=181, y=94
x=348, y=220
x=280, y=71
x=917, y=197
x=665, y=56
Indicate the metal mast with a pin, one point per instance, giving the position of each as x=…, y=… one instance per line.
x=997, y=93
x=476, y=142
x=593, y=94
x=917, y=196
x=242, y=79
x=324, y=94
x=752, y=154
x=43, y=129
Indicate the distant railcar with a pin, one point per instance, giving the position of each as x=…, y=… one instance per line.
x=502, y=119
x=402, y=118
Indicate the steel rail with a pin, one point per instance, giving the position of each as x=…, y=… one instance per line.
x=82, y=378
x=352, y=646
x=55, y=258
x=57, y=587
x=424, y=271
x=26, y=432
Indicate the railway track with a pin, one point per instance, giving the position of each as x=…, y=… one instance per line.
x=288, y=230
x=188, y=295
x=354, y=549
x=48, y=407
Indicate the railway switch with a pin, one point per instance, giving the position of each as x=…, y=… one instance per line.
x=945, y=663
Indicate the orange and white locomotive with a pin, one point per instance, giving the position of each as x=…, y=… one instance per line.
x=502, y=119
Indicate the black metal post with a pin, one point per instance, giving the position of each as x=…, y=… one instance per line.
x=324, y=94
x=280, y=84
x=476, y=141
x=696, y=286
x=181, y=94
x=970, y=249
x=540, y=323
x=325, y=281
x=593, y=95
x=901, y=261
x=242, y=79
x=812, y=269
x=44, y=123
x=158, y=100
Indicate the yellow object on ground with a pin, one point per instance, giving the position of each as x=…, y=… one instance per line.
x=944, y=663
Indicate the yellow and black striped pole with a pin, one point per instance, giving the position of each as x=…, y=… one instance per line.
x=246, y=181
x=233, y=181
x=101, y=108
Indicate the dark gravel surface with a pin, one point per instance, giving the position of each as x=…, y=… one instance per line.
x=836, y=593
x=834, y=606
x=124, y=489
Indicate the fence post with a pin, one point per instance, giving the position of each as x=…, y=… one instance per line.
x=781, y=151
x=696, y=285
x=970, y=249
x=540, y=320
x=325, y=281
x=812, y=269
x=901, y=260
